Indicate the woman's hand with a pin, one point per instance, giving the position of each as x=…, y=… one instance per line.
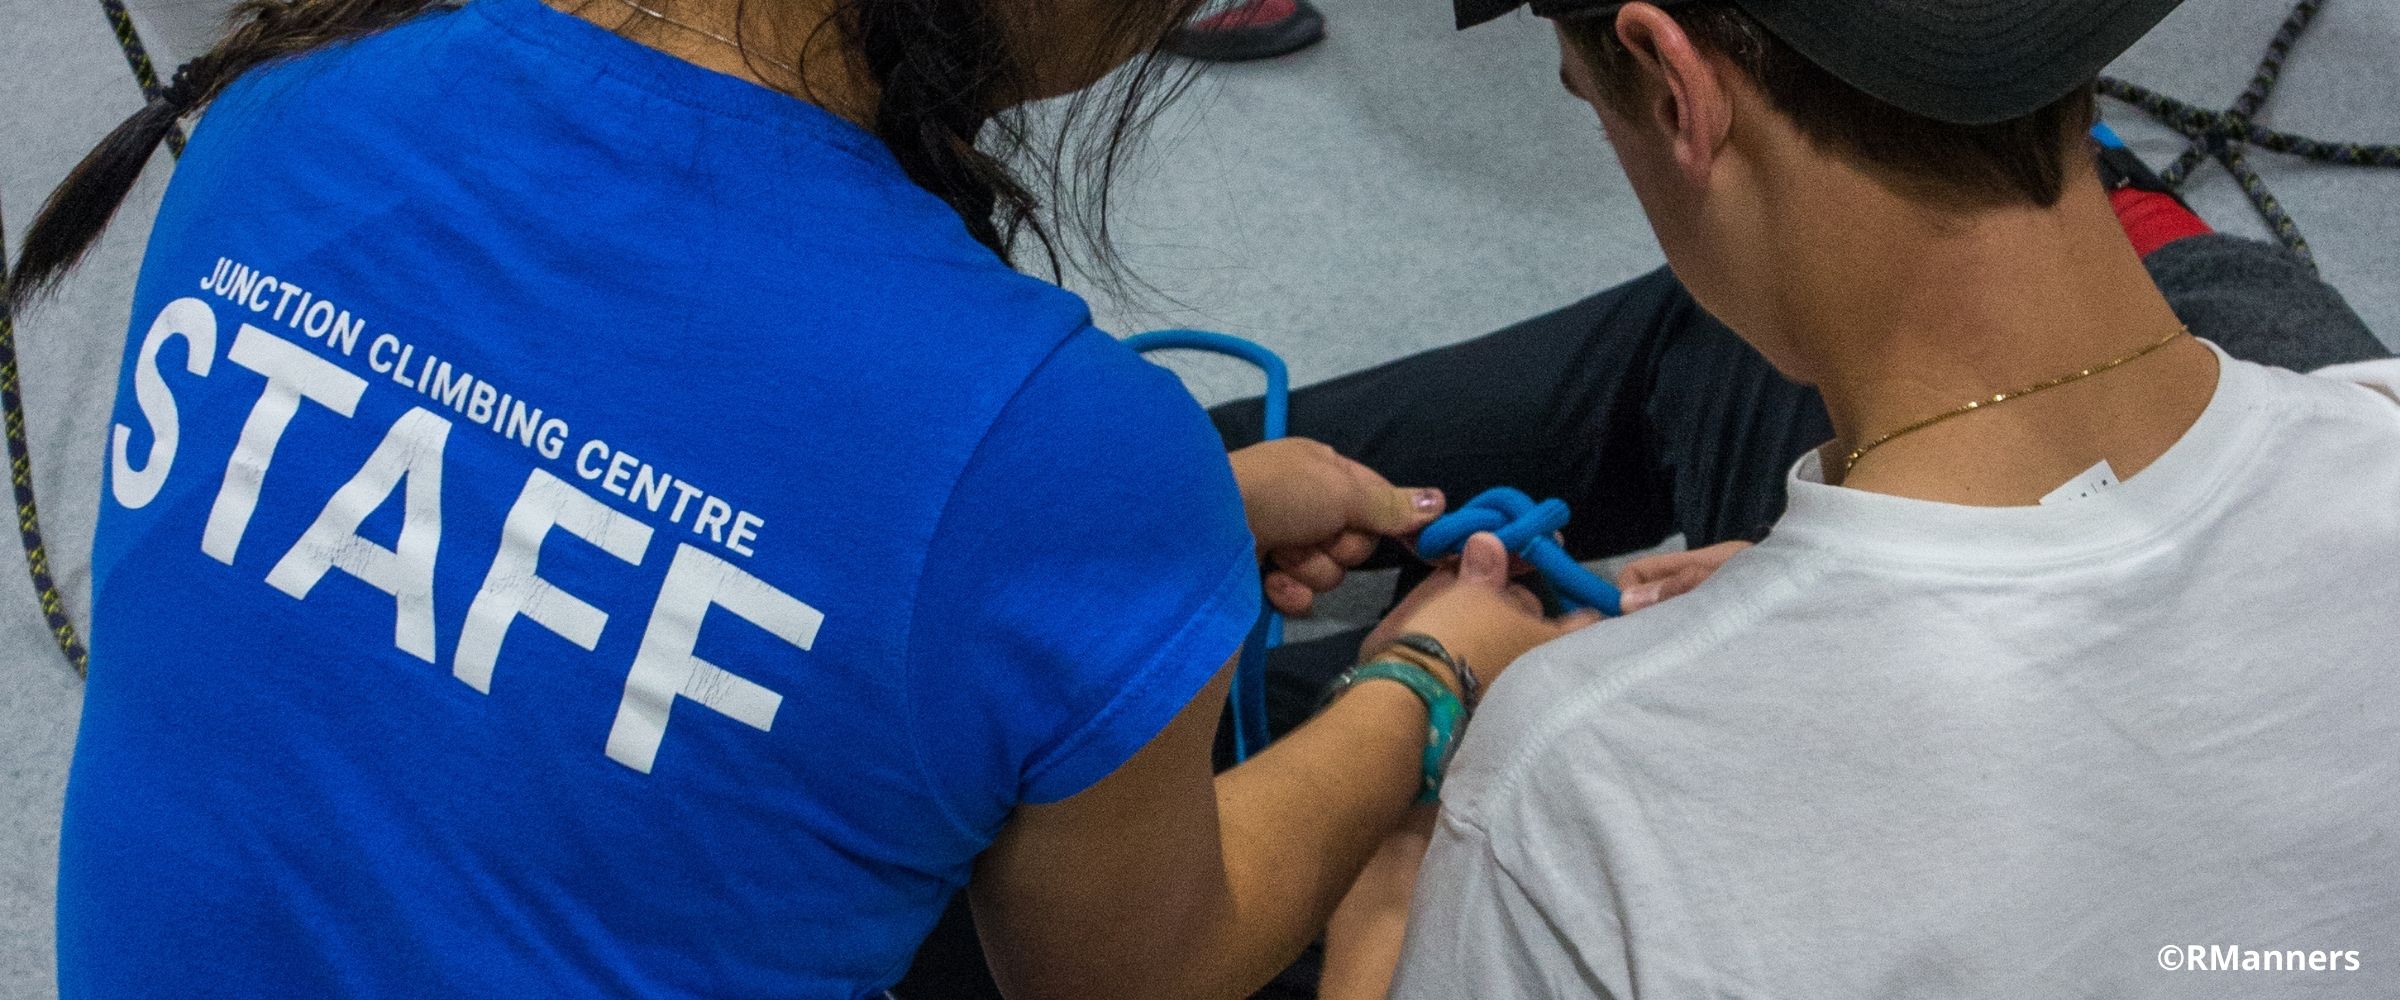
x=1653, y=579
x=1475, y=612
x=1316, y=514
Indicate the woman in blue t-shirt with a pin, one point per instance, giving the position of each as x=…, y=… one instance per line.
x=591, y=510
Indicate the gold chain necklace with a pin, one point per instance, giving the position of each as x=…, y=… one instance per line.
x=662, y=18
x=1850, y=461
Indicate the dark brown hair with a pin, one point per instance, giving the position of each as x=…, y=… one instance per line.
x=944, y=72
x=2016, y=162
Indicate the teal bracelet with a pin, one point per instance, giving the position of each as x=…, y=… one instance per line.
x=1444, y=712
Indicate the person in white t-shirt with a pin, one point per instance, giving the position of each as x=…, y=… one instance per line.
x=2073, y=666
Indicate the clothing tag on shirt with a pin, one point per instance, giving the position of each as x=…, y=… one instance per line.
x=2093, y=480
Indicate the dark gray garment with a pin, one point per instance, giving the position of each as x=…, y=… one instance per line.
x=2260, y=303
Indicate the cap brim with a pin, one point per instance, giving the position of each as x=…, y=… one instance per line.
x=1967, y=63
x=1474, y=12
x=1958, y=62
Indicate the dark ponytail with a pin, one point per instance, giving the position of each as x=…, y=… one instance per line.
x=263, y=30
x=932, y=88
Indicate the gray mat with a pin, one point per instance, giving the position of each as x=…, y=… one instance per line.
x=1397, y=188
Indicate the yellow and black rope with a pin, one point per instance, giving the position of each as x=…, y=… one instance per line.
x=2222, y=135
x=12, y=399
x=20, y=477
x=120, y=22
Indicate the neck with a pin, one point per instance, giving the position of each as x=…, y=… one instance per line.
x=777, y=46
x=1900, y=314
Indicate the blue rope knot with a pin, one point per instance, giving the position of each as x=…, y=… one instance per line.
x=1525, y=527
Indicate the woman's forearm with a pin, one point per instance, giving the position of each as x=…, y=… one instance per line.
x=1160, y=882
x=1300, y=820
x=1363, y=938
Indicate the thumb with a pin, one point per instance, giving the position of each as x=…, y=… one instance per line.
x=1393, y=511
x=1484, y=561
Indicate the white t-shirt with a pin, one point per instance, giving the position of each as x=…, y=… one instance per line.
x=1909, y=749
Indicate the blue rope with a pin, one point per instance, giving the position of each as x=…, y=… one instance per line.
x=1525, y=528
x=1523, y=525
x=1250, y=672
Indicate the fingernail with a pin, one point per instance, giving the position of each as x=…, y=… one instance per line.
x=1427, y=501
x=1639, y=598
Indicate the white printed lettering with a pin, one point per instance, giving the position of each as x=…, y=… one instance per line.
x=512, y=590
x=620, y=469
x=585, y=465
x=400, y=367
x=346, y=329
x=376, y=352
x=521, y=424
x=745, y=530
x=196, y=323
x=684, y=492
x=411, y=451
x=285, y=303
x=317, y=320
x=666, y=667
x=714, y=513
x=292, y=375
x=552, y=438
x=479, y=402
x=650, y=487
x=452, y=394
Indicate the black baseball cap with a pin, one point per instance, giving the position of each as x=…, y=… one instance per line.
x=1968, y=62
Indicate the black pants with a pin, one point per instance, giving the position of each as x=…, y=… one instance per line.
x=1650, y=418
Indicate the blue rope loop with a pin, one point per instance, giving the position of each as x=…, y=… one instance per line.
x=1279, y=377
x=1525, y=528
x=1249, y=698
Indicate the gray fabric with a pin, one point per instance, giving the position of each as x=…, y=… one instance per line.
x=2261, y=303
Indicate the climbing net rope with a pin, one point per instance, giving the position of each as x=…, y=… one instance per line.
x=137, y=56
x=20, y=478
x=2223, y=135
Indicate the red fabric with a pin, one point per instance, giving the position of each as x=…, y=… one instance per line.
x=2153, y=220
x=1248, y=15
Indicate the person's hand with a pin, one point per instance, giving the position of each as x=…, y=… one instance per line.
x=1475, y=612
x=1652, y=579
x=1316, y=514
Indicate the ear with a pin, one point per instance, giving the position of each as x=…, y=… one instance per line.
x=1687, y=102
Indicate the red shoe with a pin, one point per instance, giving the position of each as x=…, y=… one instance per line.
x=2151, y=212
x=1249, y=29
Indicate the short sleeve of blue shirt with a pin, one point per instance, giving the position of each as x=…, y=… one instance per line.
x=1058, y=624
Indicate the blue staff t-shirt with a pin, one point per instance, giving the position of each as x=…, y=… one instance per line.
x=577, y=524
